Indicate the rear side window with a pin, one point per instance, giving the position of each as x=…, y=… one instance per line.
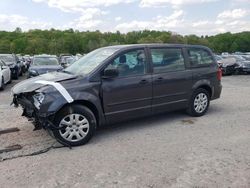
x=199, y=57
x=167, y=60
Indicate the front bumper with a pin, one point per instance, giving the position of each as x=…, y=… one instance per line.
x=40, y=120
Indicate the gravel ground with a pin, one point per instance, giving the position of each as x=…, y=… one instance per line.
x=171, y=150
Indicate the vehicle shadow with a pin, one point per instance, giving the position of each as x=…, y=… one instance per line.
x=165, y=119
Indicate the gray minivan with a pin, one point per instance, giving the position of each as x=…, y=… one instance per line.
x=118, y=83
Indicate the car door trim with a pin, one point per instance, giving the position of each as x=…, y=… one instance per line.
x=127, y=110
x=130, y=101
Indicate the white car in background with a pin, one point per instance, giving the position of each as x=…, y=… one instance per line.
x=5, y=75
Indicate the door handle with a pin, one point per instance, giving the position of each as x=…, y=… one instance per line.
x=143, y=82
x=159, y=79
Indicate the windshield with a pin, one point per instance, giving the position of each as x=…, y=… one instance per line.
x=7, y=58
x=90, y=61
x=45, y=61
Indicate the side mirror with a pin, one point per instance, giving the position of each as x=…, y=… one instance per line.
x=110, y=73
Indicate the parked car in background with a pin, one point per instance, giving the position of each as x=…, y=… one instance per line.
x=12, y=61
x=219, y=60
x=5, y=74
x=22, y=63
x=68, y=61
x=43, y=64
x=78, y=56
x=28, y=61
x=119, y=83
x=62, y=60
x=228, y=65
x=242, y=67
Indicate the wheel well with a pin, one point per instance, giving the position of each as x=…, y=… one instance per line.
x=88, y=104
x=91, y=106
x=208, y=88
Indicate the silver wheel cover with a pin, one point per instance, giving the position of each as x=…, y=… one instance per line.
x=200, y=103
x=76, y=127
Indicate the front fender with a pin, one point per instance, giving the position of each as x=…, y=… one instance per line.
x=79, y=98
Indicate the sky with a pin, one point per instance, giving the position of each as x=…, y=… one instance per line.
x=200, y=17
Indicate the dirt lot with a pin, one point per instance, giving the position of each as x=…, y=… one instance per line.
x=171, y=150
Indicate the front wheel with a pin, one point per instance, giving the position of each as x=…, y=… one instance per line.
x=77, y=125
x=199, y=103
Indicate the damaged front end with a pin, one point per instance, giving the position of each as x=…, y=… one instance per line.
x=31, y=104
x=40, y=99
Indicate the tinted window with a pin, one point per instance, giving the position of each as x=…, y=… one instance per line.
x=130, y=63
x=200, y=57
x=45, y=61
x=167, y=60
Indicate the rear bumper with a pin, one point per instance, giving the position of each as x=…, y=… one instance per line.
x=217, y=92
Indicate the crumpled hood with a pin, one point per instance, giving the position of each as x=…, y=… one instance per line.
x=46, y=68
x=29, y=85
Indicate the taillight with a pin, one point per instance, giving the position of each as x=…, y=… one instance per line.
x=219, y=74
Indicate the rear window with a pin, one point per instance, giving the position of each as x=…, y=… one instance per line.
x=45, y=61
x=199, y=57
x=8, y=59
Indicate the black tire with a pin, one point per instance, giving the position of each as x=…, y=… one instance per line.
x=191, y=110
x=16, y=75
x=75, y=109
x=2, y=84
x=10, y=80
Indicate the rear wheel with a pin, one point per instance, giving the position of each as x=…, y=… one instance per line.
x=199, y=103
x=77, y=125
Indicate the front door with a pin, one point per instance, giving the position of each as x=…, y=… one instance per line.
x=130, y=94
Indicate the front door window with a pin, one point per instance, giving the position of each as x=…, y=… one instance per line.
x=131, y=63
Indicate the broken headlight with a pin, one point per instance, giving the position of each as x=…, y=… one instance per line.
x=38, y=99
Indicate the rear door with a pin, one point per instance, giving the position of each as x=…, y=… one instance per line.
x=130, y=94
x=171, y=79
